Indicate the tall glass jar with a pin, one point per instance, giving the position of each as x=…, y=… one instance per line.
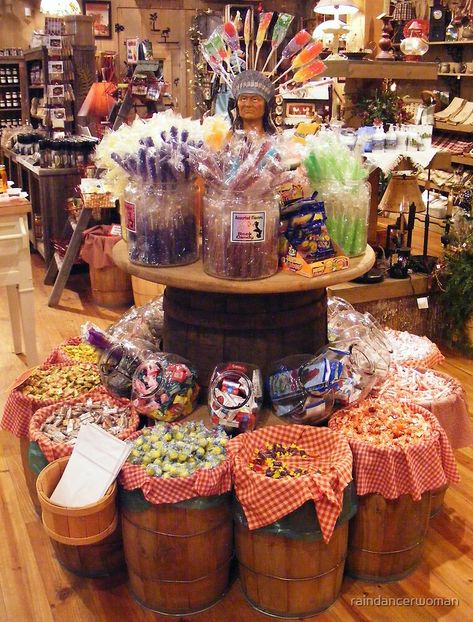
x=240, y=234
x=347, y=207
x=161, y=224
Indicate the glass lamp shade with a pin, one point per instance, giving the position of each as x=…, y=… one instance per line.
x=332, y=7
x=414, y=48
x=60, y=8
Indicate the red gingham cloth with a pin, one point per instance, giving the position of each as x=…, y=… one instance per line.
x=20, y=408
x=431, y=359
x=265, y=500
x=59, y=356
x=53, y=450
x=453, y=144
x=395, y=471
x=451, y=409
x=202, y=483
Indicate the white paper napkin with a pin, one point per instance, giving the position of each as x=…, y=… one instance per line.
x=93, y=466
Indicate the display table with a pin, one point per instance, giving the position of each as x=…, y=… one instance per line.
x=210, y=321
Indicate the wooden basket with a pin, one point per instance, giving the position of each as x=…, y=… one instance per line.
x=76, y=526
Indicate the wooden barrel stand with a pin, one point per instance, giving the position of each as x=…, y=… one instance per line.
x=209, y=328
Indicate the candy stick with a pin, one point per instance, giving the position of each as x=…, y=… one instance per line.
x=295, y=45
x=307, y=73
x=279, y=32
x=304, y=57
x=265, y=20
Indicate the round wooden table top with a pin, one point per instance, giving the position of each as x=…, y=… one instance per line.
x=193, y=276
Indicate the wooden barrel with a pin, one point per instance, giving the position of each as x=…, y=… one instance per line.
x=286, y=569
x=387, y=537
x=178, y=555
x=79, y=526
x=145, y=291
x=436, y=500
x=102, y=559
x=111, y=287
x=208, y=328
x=30, y=475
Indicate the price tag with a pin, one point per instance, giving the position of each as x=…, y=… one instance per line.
x=423, y=303
x=116, y=230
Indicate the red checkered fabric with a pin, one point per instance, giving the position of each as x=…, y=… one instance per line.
x=451, y=409
x=433, y=358
x=453, y=144
x=156, y=490
x=20, y=408
x=395, y=471
x=53, y=450
x=59, y=356
x=265, y=500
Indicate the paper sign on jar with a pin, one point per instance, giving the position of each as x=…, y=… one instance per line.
x=130, y=216
x=248, y=227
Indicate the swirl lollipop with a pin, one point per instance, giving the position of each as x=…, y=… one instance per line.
x=265, y=20
x=279, y=32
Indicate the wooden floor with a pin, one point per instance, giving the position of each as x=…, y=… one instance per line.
x=34, y=587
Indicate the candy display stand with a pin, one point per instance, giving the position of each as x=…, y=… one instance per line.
x=209, y=320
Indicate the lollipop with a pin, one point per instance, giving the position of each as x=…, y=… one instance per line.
x=230, y=36
x=247, y=33
x=214, y=60
x=305, y=56
x=279, y=32
x=295, y=45
x=307, y=73
x=265, y=20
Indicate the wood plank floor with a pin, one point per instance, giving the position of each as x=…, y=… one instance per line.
x=35, y=588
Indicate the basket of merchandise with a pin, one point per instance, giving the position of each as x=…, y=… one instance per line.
x=174, y=497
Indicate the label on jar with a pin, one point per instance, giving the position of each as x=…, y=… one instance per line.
x=248, y=227
x=130, y=216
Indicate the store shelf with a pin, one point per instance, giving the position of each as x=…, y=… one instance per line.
x=10, y=109
x=431, y=186
x=373, y=69
x=462, y=159
x=469, y=42
x=10, y=86
x=32, y=87
x=456, y=75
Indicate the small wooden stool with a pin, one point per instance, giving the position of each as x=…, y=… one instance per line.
x=15, y=274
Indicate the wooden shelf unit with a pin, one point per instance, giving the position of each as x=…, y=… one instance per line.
x=21, y=86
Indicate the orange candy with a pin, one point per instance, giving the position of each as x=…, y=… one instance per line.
x=308, y=54
x=309, y=72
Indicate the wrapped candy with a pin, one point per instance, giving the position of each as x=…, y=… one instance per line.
x=264, y=21
x=247, y=32
x=295, y=45
x=279, y=32
x=311, y=71
x=165, y=387
x=307, y=55
x=169, y=451
x=230, y=35
x=235, y=396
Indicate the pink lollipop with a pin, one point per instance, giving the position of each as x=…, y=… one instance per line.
x=305, y=56
x=230, y=35
x=295, y=45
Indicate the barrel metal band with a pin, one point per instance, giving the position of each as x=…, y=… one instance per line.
x=271, y=576
x=153, y=578
x=409, y=548
x=173, y=535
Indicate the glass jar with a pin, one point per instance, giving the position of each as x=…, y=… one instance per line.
x=165, y=387
x=347, y=207
x=240, y=234
x=161, y=224
x=235, y=396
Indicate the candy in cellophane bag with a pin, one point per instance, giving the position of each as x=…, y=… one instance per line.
x=165, y=387
x=235, y=396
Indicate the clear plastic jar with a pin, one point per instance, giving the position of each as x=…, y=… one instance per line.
x=165, y=387
x=235, y=396
x=161, y=224
x=347, y=207
x=118, y=364
x=240, y=234
x=295, y=393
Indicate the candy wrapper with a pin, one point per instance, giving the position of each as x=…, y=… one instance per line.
x=165, y=387
x=144, y=323
x=412, y=350
x=235, y=396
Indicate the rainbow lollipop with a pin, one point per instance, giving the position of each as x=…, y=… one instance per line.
x=214, y=60
x=305, y=56
x=301, y=39
x=310, y=71
x=264, y=21
x=230, y=36
x=220, y=49
x=279, y=32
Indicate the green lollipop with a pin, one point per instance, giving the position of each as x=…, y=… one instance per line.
x=279, y=32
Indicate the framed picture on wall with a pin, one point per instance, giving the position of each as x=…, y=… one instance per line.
x=102, y=14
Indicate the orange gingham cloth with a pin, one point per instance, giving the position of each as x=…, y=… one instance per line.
x=59, y=356
x=265, y=500
x=432, y=358
x=53, y=450
x=19, y=408
x=202, y=483
x=451, y=409
x=395, y=471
